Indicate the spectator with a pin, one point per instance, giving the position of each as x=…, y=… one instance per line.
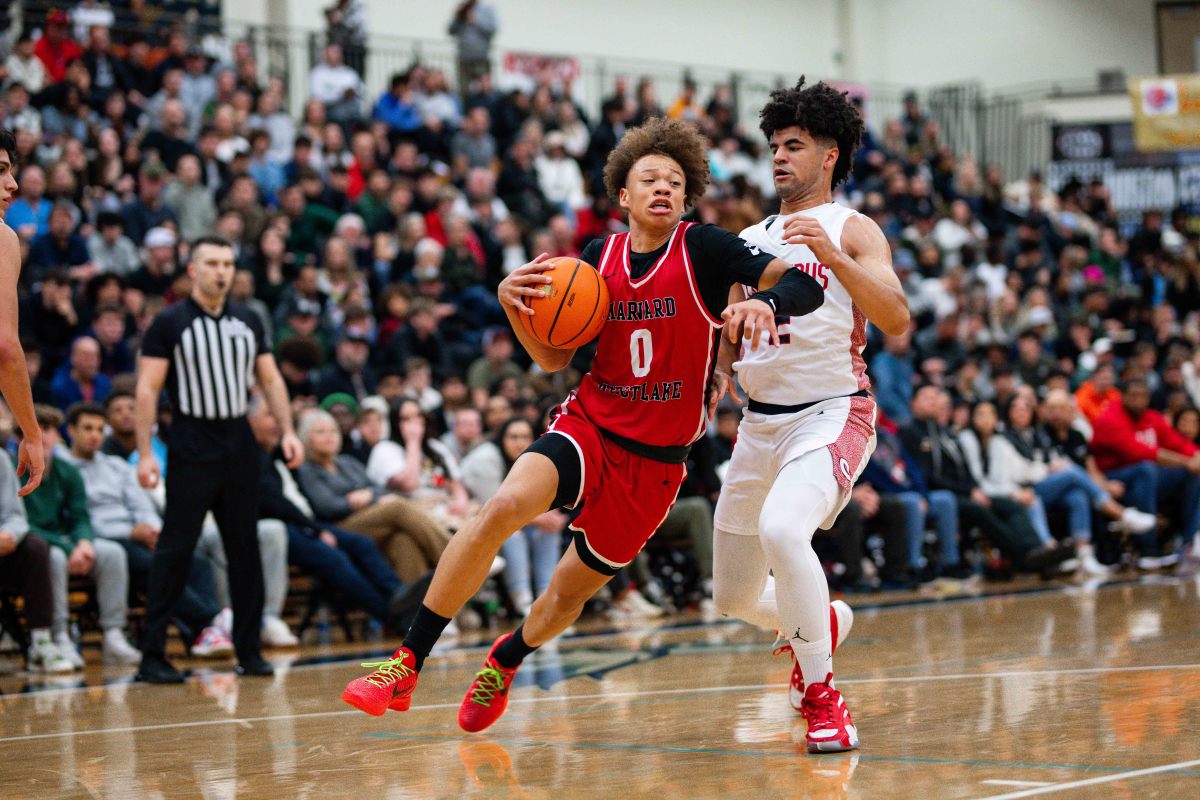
x=189, y=200
x=279, y=126
x=341, y=494
x=465, y=434
x=397, y=107
x=1096, y=393
x=109, y=249
x=108, y=329
x=20, y=115
x=349, y=373
x=61, y=248
x=56, y=49
x=474, y=146
x=25, y=571
x=944, y=465
x=495, y=363
x=893, y=473
x=892, y=376
x=1135, y=445
x=473, y=26
x=158, y=269
x=336, y=86
x=29, y=214
x=81, y=379
x=172, y=140
x=418, y=466
x=51, y=319
x=58, y=512
x=120, y=413
x=559, y=177
x=25, y=67
x=148, y=211
x=533, y=552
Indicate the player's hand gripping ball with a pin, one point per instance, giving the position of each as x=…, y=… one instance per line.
x=571, y=309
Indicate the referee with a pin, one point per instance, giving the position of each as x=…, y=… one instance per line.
x=208, y=354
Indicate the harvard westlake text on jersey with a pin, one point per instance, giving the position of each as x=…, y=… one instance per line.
x=646, y=392
x=640, y=310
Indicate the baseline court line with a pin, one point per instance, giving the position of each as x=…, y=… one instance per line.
x=1122, y=776
x=593, y=696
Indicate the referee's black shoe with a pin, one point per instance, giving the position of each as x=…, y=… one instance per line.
x=256, y=668
x=156, y=669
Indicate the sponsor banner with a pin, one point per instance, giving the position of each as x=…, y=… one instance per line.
x=1134, y=189
x=561, y=69
x=1166, y=113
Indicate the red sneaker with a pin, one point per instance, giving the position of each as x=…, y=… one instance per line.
x=389, y=686
x=841, y=619
x=830, y=729
x=488, y=695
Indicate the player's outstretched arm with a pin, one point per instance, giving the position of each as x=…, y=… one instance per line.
x=527, y=281
x=14, y=377
x=864, y=267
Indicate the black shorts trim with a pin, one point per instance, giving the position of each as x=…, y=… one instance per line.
x=589, y=558
x=568, y=460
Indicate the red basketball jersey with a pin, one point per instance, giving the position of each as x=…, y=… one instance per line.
x=655, y=353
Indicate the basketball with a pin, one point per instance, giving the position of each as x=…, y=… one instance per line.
x=572, y=309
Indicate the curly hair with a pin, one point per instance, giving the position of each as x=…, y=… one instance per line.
x=660, y=136
x=821, y=110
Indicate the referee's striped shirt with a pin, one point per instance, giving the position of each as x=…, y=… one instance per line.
x=212, y=358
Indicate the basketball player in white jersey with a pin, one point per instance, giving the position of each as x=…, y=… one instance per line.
x=809, y=427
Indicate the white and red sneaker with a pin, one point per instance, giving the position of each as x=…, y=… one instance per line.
x=841, y=619
x=830, y=729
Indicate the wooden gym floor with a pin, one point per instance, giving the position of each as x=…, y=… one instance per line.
x=1031, y=690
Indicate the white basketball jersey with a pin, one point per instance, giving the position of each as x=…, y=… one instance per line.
x=821, y=354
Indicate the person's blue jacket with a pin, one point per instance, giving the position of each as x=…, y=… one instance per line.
x=67, y=391
x=892, y=380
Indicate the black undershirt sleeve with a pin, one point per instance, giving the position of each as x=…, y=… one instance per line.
x=794, y=295
x=592, y=252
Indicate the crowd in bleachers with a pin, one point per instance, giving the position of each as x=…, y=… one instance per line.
x=1039, y=418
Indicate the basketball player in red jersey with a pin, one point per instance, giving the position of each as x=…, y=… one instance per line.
x=618, y=445
x=810, y=423
x=14, y=377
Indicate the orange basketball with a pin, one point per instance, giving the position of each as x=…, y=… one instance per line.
x=572, y=309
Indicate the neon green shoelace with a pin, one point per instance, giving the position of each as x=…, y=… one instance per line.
x=488, y=683
x=387, y=672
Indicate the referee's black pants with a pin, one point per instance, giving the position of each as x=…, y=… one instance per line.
x=229, y=488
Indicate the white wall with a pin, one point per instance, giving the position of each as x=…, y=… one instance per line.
x=749, y=35
x=1000, y=43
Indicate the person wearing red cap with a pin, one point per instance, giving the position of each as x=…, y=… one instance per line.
x=56, y=48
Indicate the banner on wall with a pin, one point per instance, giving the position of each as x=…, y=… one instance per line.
x=1166, y=113
x=1106, y=151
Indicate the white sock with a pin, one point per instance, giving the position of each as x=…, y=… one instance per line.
x=40, y=636
x=803, y=495
x=815, y=659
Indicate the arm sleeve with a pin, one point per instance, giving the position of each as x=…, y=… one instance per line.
x=157, y=342
x=721, y=259
x=592, y=252
x=795, y=294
